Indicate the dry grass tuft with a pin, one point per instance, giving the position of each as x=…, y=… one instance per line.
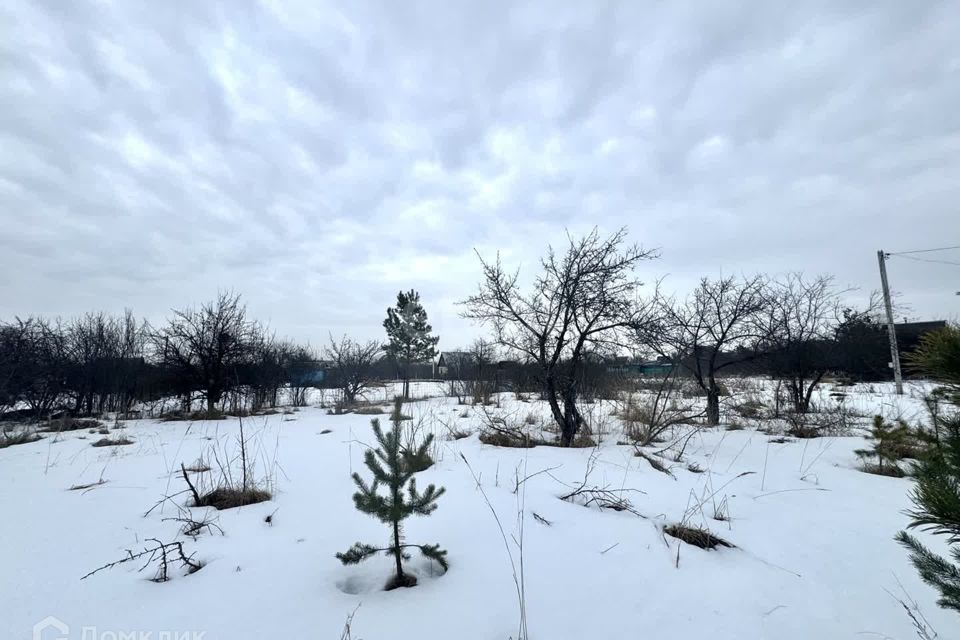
x=372, y=410
x=72, y=424
x=228, y=497
x=696, y=536
x=890, y=470
x=179, y=416
x=505, y=439
x=111, y=442
x=19, y=436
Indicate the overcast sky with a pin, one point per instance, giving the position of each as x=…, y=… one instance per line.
x=317, y=157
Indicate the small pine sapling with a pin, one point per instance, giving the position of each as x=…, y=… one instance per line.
x=391, y=467
x=936, y=500
x=888, y=443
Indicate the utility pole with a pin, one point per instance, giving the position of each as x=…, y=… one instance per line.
x=891, y=330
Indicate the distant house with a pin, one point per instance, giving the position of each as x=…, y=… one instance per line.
x=454, y=363
x=910, y=333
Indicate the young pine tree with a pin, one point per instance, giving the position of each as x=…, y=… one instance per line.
x=889, y=442
x=409, y=334
x=936, y=500
x=392, y=467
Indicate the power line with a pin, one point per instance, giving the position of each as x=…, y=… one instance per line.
x=900, y=253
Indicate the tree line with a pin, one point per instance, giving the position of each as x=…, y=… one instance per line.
x=584, y=308
x=215, y=354
x=586, y=304
x=98, y=362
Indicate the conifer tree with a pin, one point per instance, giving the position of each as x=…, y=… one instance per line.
x=936, y=493
x=409, y=334
x=889, y=442
x=936, y=499
x=393, y=467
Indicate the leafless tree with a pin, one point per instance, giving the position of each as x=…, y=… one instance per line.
x=41, y=365
x=483, y=354
x=105, y=361
x=300, y=368
x=14, y=362
x=798, y=325
x=352, y=365
x=205, y=347
x=714, y=328
x=582, y=299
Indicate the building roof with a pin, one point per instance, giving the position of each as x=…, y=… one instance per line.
x=454, y=357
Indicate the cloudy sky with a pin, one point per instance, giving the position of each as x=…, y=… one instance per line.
x=318, y=157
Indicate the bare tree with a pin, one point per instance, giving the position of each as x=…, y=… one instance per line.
x=711, y=330
x=105, y=361
x=483, y=354
x=300, y=371
x=798, y=326
x=206, y=347
x=352, y=365
x=581, y=300
x=41, y=365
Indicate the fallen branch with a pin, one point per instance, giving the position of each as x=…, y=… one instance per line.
x=159, y=553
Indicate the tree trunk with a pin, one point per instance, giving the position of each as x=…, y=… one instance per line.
x=809, y=393
x=550, y=395
x=713, y=403
x=396, y=549
x=572, y=420
x=713, y=407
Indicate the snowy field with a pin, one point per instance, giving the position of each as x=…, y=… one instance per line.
x=814, y=554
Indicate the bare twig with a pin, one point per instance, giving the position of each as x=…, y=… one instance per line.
x=159, y=551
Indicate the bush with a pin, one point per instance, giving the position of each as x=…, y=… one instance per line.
x=72, y=424
x=10, y=437
x=506, y=431
x=238, y=484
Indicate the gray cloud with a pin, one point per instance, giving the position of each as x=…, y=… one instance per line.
x=317, y=158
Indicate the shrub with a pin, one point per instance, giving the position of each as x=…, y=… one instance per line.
x=72, y=424
x=238, y=483
x=8, y=438
x=505, y=431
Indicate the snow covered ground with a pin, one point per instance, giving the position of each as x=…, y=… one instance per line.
x=814, y=554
